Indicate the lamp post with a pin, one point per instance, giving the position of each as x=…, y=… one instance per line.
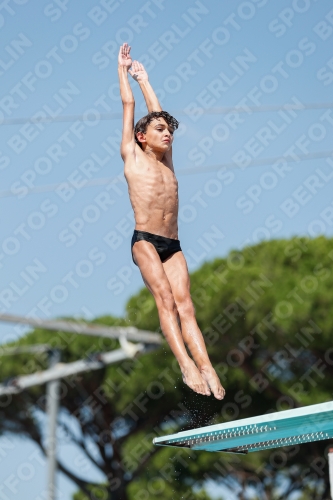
x=52, y=398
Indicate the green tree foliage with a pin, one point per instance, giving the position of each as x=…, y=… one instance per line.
x=266, y=316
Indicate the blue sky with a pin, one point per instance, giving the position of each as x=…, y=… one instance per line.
x=59, y=60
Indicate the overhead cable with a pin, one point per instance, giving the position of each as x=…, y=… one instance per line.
x=184, y=171
x=208, y=111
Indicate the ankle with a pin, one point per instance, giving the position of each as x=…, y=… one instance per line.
x=186, y=364
x=205, y=367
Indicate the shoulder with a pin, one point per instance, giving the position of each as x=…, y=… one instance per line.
x=131, y=151
x=133, y=158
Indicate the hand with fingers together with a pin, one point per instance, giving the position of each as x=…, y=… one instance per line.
x=124, y=57
x=138, y=72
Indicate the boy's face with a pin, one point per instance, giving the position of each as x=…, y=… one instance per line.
x=158, y=136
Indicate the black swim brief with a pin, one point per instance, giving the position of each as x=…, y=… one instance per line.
x=164, y=246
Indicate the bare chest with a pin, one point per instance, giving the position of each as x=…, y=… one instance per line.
x=156, y=182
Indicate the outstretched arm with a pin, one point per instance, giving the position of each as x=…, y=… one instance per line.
x=124, y=63
x=139, y=74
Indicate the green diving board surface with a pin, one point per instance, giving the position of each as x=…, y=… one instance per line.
x=272, y=430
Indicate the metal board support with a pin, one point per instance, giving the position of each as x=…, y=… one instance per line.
x=61, y=370
x=79, y=327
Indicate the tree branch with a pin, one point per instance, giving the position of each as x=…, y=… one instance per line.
x=80, y=483
x=81, y=444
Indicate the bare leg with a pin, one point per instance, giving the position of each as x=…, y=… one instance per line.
x=176, y=270
x=158, y=284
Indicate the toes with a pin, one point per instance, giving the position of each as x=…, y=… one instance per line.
x=214, y=384
x=220, y=393
x=199, y=389
x=207, y=391
x=197, y=383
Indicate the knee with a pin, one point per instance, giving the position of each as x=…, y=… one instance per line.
x=165, y=301
x=185, y=308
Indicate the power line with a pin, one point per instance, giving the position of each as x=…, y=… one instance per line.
x=52, y=187
x=257, y=163
x=185, y=171
x=209, y=111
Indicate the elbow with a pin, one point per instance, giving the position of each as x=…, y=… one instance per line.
x=128, y=102
x=128, y=105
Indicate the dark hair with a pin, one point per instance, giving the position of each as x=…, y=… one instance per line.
x=143, y=123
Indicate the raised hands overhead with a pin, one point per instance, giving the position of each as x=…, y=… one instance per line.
x=138, y=72
x=124, y=57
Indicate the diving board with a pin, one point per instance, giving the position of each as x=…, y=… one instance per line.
x=272, y=430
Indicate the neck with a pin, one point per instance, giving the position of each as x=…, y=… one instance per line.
x=156, y=155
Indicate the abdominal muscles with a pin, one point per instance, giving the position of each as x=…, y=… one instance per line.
x=154, y=198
